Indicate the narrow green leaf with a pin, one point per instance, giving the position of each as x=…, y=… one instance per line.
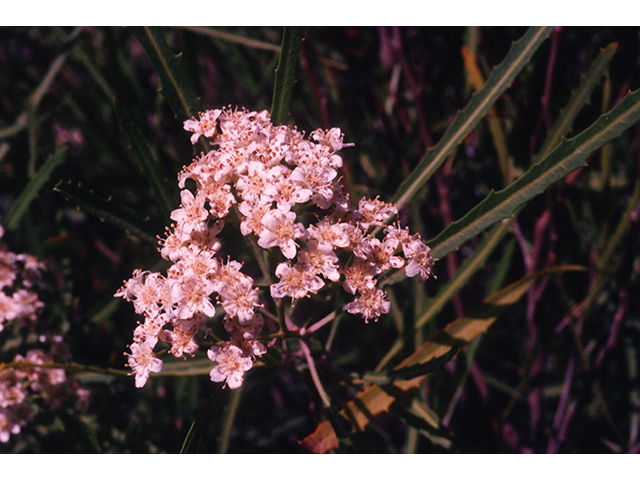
x=480, y=318
x=230, y=37
x=605, y=259
x=204, y=419
x=502, y=266
x=476, y=79
x=147, y=162
x=466, y=270
x=32, y=189
x=285, y=75
x=88, y=62
x=579, y=98
x=499, y=80
x=176, y=87
x=377, y=399
x=407, y=373
x=419, y=416
x=69, y=366
x=229, y=417
x=106, y=210
x=180, y=368
x=564, y=159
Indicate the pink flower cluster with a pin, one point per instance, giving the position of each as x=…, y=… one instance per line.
x=19, y=273
x=19, y=304
x=269, y=176
x=18, y=386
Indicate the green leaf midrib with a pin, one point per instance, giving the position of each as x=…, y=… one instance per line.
x=568, y=156
x=499, y=80
x=168, y=71
x=285, y=75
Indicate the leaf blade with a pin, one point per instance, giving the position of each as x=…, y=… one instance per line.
x=579, y=98
x=31, y=190
x=106, y=210
x=377, y=399
x=147, y=162
x=176, y=88
x=285, y=75
x=499, y=80
x=567, y=157
x=213, y=406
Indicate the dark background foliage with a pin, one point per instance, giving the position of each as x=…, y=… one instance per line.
x=547, y=377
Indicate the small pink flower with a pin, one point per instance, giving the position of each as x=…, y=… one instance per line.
x=191, y=213
x=192, y=296
x=374, y=212
x=370, y=304
x=206, y=125
x=239, y=300
x=143, y=362
x=420, y=262
x=295, y=282
x=280, y=230
x=329, y=235
x=231, y=365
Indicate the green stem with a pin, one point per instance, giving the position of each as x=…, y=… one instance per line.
x=285, y=75
x=64, y=366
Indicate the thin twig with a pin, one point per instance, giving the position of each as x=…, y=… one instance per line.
x=318, y=325
x=233, y=38
x=326, y=401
